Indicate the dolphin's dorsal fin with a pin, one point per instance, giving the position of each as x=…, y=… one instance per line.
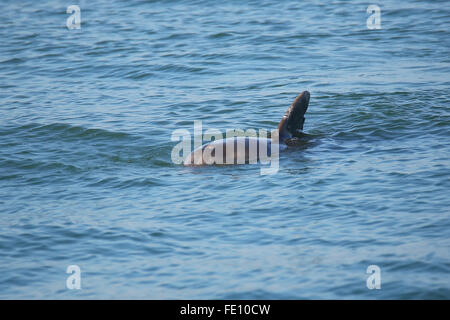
x=294, y=118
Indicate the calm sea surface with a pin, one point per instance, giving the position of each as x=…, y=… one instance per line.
x=86, y=176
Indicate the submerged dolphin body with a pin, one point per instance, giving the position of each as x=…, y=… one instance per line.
x=241, y=150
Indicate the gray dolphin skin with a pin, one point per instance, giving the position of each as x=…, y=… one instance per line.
x=244, y=150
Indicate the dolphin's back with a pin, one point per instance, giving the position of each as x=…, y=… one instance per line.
x=234, y=150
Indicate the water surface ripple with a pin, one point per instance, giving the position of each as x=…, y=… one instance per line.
x=86, y=176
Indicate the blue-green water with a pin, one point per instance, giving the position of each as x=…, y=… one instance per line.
x=86, y=176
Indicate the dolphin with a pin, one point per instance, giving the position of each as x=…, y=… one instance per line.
x=244, y=150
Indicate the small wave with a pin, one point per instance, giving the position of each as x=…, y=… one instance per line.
x=115, y=182
x=179, y=68
x=35, y=165
x=12, y=61
x=220, y=35
x=67, y=131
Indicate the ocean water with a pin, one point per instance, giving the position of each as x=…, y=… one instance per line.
x=87, y=179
